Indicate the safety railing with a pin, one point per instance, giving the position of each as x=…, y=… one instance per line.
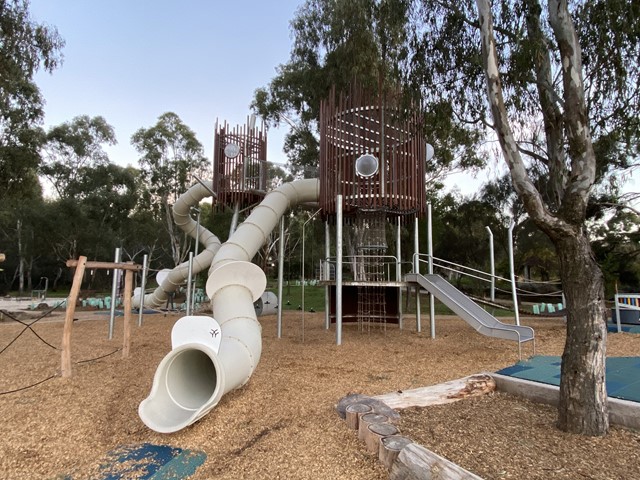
x=625, y=302
x=353, y=267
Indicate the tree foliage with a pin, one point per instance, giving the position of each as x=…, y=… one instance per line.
x=170, y=155
x=446, y=64
x=339, y=42
x=25, y=47
x=72, y=149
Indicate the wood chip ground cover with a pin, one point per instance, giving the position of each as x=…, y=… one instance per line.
x=283, y=423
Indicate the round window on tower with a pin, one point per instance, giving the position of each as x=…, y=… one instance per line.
x=231, y=150
x=366, y=165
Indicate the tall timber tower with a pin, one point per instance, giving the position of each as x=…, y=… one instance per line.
x=372, y=170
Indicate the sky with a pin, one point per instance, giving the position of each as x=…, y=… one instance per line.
x=132, y=60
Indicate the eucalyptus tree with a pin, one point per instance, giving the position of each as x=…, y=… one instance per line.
x=617, y=249
x=71, y=148
x=557, y=85
x=19, y=226
x=336, y=42
x=170, y=155
x=25, y=47
x=94, y=215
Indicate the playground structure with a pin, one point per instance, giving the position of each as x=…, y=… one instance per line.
x=626, y=309
x=221, y=355
x=200, y=262
x=372, y=164
x=211, y=357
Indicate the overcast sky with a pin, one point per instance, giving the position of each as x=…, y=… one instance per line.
x=132, y=60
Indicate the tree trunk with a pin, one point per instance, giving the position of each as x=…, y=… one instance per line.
x=30, y=274
x=173, y=238
x=583, y=406
x=57, y=279
x=583, y=399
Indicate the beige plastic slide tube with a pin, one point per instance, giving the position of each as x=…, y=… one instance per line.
x=201, y=262
x=194, y=376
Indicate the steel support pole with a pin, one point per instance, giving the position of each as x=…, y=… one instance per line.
x=513, y=274
x=280, y=275
x=188, y=299
x=114, y=292
x=492, y=265
x=327, y=275
x=143, y=283
x=195, y=277
x=302, y=274
x=432, y=303
x=416, y=269
x=399, y=271
x=339, y=270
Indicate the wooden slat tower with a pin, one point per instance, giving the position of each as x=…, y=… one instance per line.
x=356, y=123
x=372, y=152
x=239, y=164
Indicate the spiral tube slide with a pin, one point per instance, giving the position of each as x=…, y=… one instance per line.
x=212, y=356
x=201, y=262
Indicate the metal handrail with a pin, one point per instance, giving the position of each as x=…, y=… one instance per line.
x=387, y=260
x=521, y=291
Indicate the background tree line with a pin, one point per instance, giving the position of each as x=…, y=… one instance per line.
x=549, y=88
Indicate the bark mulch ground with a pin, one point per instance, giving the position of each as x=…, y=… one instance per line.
x=283, y=423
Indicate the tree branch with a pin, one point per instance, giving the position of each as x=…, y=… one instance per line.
x=521, y=180
x=583, y=165
x=621, y=206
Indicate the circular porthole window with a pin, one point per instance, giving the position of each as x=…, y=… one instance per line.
x=430, y=151
x=366, y=165
x=231, y=150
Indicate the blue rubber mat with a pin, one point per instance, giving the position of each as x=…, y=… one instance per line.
x=622, y=374
x=148, y=462
x=613, y=327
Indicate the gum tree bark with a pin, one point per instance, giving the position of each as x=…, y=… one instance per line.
x=583, y=404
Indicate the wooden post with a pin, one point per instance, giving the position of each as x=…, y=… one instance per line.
x=366, y=420
x=443, y=393
x=354, y=412
x=390, y=448
x=68, y=319
x=128, y=289
x=375, y=432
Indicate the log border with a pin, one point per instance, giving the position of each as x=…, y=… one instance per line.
x=413, y=460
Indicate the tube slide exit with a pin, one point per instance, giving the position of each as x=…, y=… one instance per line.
x=212, y=356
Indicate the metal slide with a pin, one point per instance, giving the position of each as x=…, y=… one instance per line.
x=469, y=311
